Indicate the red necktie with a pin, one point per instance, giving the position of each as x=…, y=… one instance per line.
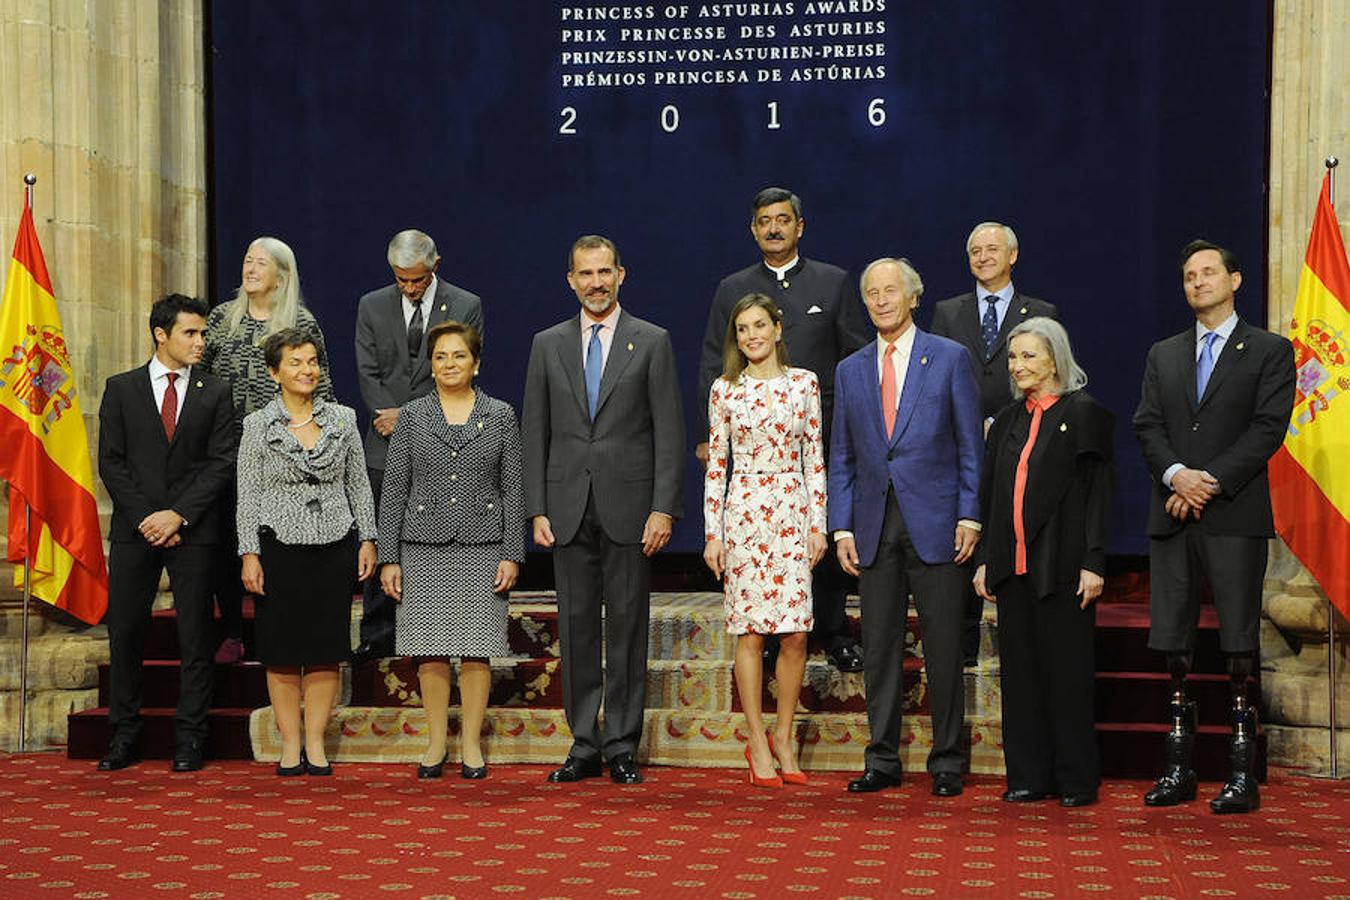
x=888, y=391
x=168, y=410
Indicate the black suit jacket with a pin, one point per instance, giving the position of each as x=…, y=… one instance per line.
x=823, y=322
x=958, y=318
x=1231, y=432
x=1066, y=505
x=145, y=472
x=387, y=376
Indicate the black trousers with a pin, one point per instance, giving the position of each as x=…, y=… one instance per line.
x=885, y=587
x=594, y=576
x=133, y=578
x=226, y=578
x=1234, y=566
x=378, y=609
x=1047, y=669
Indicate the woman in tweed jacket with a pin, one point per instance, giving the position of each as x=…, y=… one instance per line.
x=452, y=537
x=304, y=503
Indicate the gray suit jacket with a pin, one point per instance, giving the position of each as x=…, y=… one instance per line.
x=388, y=378
x=631, y=456
x=453, y=485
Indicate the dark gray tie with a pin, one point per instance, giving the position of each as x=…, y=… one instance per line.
x=415, y=329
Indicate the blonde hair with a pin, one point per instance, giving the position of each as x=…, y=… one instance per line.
x=733, y=360
x=285, y=296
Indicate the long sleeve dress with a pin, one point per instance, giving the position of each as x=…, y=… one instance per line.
x=764, y=494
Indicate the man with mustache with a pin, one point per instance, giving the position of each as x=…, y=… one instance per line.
x=823, y=322
x=603, y=431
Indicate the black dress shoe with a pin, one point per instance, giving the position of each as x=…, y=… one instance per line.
x=119, y=756
x=947, y=784
x=623, y=769
x=473, y=773
x=1177, y=785
x=574, y=768
x=1077, y=798
x=292, y=771
x=872, y=780
x=1239, y=795
x=848, y=658
x=432, y=771
x=323, y=770
x=188, y=757
x=1023, y=795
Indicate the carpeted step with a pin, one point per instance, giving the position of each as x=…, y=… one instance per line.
x=1122, y=640
x=243, y=685
x=670, y=737
x=227, y=734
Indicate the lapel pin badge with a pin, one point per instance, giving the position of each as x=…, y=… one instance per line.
x=1241, y=344
x=1063, y=426
x=923, y=360
x=199, y=384
x=630, y=346
x=442, y=307
x=1023, y=310
x=480, y=424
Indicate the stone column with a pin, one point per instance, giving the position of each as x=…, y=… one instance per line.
x=1309, y=121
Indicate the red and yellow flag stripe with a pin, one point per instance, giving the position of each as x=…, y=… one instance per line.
x=1310, y=475
x=46, y=458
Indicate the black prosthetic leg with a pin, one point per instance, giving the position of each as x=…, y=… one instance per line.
x=1178, y=781
x=1240, y=794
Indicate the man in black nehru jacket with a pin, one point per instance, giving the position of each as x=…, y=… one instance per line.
x=823, y=322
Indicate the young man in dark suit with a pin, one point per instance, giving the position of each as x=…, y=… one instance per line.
x=823, y=322
x=603, y=430
x=1215, y=407
x=166, y=450
x=392, y=368
x=981, y=321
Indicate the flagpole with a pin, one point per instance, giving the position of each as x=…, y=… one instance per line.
x=29, y=180
x=1331, y=164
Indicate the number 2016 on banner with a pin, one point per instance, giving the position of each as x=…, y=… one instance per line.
x=670, y=116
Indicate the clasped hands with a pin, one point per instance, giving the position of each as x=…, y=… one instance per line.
x=160, y=528
x=1191, y=490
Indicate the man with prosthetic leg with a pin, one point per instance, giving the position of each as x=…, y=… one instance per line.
x=1215, y=405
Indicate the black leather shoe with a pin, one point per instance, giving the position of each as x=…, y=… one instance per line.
x=1239, y=795
x=321, y=771
x=947, y=784
x=473, y=773
x=1177, y=785
x=1077, y=798
x=1023, y=795
x=295, y=770
x=432, y=771
x=848, y=658
x=574, y=768
x=872, y=780
x=623, y=769
x=188, y=757
x=119, y=756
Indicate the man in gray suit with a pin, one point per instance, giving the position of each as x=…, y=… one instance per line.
x=604, y=440
x=392, y=365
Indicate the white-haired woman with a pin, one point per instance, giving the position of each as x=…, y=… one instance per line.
x=1045, y=500
x=268, y=301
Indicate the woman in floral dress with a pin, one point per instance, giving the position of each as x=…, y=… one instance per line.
x=764, y=517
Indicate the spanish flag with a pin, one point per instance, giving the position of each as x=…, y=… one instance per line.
x=1310, y=474
x=46, y=449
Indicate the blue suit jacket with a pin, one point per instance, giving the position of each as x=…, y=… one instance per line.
x=933, y=459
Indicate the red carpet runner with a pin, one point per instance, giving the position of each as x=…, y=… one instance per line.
x=235, y=830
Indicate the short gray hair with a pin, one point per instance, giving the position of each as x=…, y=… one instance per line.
x=1070, y=375
x=412, y=247
x=910, y=275
x=1009, y=236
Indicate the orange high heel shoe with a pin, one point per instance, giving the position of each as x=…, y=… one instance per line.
x=787, y=777
x=755, y=780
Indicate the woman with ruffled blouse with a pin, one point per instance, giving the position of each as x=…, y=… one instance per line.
x=306, y=521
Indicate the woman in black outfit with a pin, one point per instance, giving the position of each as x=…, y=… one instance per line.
x=1045, y=500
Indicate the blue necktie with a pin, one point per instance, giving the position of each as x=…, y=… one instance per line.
x=1204, y=367
x=595, y=364
x=989, y=325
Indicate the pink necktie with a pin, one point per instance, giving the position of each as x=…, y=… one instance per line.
x=888, y=394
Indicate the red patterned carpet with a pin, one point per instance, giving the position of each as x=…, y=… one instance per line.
x=235, y=830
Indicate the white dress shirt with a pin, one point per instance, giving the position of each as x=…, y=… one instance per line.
x=428, y=296
x=159, y=383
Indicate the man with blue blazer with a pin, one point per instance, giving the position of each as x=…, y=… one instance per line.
x=392, y=368
x=904, y=508
x=603, y=431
